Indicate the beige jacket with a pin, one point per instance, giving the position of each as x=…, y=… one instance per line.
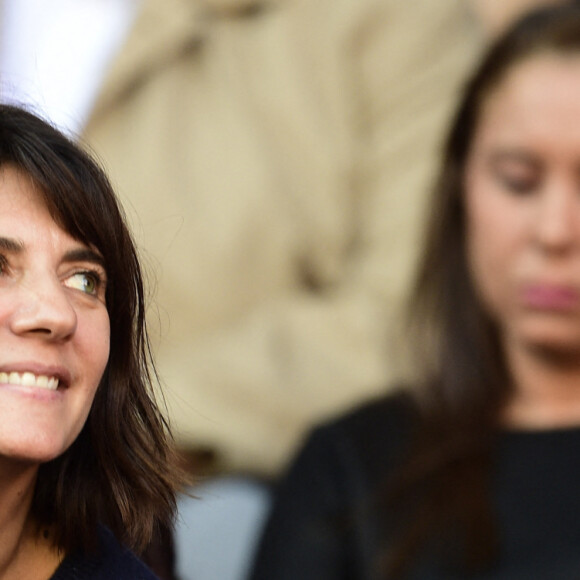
x=273, y=157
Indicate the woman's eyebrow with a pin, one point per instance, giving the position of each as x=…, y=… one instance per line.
x=84, y=255
x=76, y=255
x=512, y=154
x=11, y=245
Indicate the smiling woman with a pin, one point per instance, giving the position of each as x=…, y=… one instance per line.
x=86, y=458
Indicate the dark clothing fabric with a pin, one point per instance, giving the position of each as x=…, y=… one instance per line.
x=110, y=562
x=159, y=554
x=325, y=524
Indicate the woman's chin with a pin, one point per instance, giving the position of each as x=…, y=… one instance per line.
x=30, y=452
x=556, y=348
x=551, y=338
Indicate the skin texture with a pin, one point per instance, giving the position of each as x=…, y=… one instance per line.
x=523, y=231
x=53, y=322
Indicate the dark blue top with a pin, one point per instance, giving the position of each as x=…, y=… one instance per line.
x=111, y=562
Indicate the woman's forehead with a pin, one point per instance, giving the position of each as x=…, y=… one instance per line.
x=538, y=98
x=536, y=75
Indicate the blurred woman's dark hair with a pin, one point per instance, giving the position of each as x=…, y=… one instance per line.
x=463, y=381
x=121, y=470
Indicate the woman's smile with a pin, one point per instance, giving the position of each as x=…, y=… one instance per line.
x=34, y=376
x=28, y=379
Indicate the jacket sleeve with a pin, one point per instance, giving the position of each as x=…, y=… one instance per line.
x=321, y=345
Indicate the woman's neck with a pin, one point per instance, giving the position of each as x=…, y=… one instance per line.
x=24, y=551
x=546, y=389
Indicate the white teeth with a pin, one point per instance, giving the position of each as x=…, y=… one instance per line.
x=42, y=381
x=29, y=379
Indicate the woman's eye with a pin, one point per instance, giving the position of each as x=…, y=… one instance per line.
x=517, y=183
x=517, y=176
x=87, y=282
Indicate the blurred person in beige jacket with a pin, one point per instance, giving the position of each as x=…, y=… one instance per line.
x=273, y=157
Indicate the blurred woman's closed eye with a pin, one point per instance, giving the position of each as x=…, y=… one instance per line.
x=517, y=182
x=517, y=173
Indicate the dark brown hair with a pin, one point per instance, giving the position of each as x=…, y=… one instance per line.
x=464, y=380
x=121, y=470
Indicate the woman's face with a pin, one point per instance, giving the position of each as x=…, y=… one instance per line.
x=522, y=188
x=54, y=326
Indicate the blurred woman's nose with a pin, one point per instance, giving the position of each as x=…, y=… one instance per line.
x=43, y=309
x=558, y=217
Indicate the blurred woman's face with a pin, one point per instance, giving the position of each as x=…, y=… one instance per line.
x=522, y=186
x=54, y=326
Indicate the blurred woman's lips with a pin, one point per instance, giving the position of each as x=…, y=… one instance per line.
x=551, y=297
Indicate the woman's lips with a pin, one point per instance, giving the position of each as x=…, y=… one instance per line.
x=551, y=297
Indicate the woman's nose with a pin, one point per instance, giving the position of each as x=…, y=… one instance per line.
x=44, y=310
x=558, y=219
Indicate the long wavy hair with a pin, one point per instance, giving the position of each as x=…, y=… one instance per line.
x=464, y=380
x=122, y=470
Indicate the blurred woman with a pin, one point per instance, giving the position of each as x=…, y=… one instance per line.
x=474, y=471
x=87, y=466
